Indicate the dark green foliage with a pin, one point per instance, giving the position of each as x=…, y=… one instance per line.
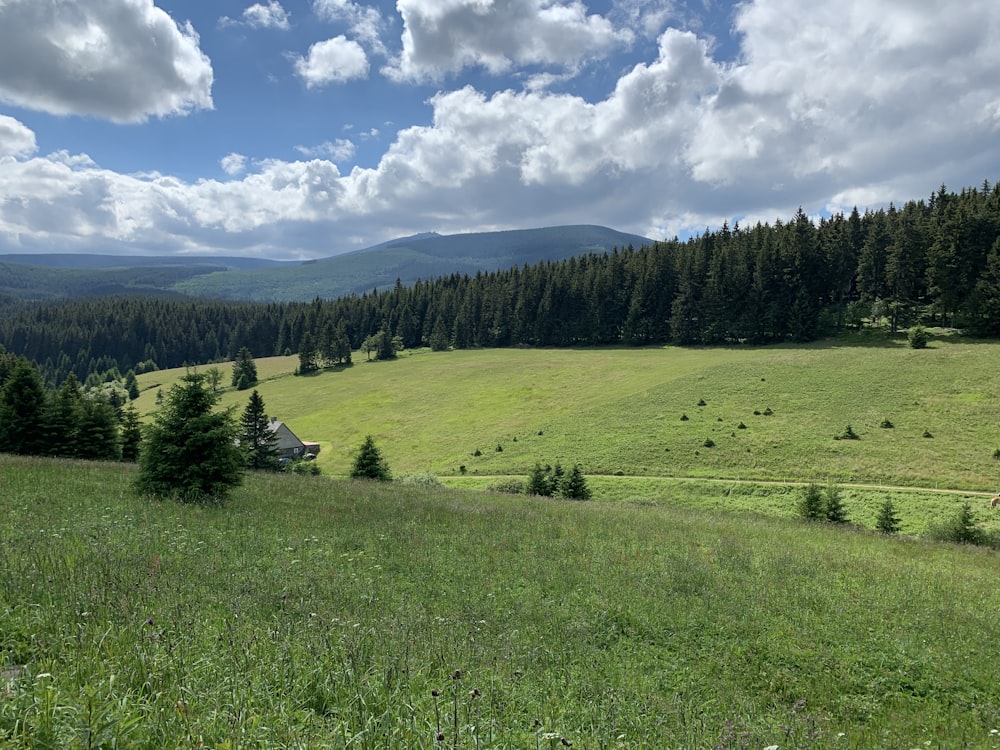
x=189, y=452
x=257, y=441
x=307, y=354
x=23, y=411
x=97, y=434
x=131, y=385
x=918, y=337
x=370, y=464
x=960, y=529
x=848, y=434
x=574, y=486
x=538, y=482
x=811, y=505
x=887, y=521
x=244, y=370
x=886, y=424
x=684, y=417
x=835, y=512
x=927, y=434
x=131, y=433
x=709, y=443
x=741, y=426
x=508, y=487
x=701, y=402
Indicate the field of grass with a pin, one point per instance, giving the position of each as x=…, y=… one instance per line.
x=621, y=411
x=313, y=612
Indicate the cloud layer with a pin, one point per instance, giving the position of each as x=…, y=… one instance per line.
x=124, y=60
x=868, y=100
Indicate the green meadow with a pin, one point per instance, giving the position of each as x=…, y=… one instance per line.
x=310, y=612
x=685, y=607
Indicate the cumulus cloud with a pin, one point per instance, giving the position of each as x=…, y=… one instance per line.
x=15, y=138
x=233, y=164
x=339, y=150
x=260, y=16
x=123, y=60
x=823, y=108
x=364, y=21
x=332, y=61
x=444, y=36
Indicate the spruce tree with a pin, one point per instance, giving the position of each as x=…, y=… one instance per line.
x=189, y=452
x=22, y=411
x=63, y=414
x=835, y=512
x=307, y=353
x=811, y=506
x=574, y=486
x=131, y=433
x=887, y=521
x=538, y=482
x=98, y=438
x=244, y=370
x=370, y=464
x=257, y=440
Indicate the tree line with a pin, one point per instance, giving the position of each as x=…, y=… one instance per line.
x=933, y=261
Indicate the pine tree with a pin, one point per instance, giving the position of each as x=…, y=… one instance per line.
x=835, y=512
x=131, y=433
x=257, y=440
x=307, y=353
x=189, y=452
x=538, y=482
x=131, y=385
x=811, y=506
x=370, y=464
x=244, y=370
x=574, y=486
x=22, y=411
x=887, y=521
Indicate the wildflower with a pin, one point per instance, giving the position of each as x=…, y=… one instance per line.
x=149, y=620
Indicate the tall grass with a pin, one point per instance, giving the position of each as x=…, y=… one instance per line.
x=311, y=612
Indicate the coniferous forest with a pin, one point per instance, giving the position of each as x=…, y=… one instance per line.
x=933, y=261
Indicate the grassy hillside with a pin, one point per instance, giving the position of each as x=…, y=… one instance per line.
x=409, y=259
x=312, y=612
x=620, y=411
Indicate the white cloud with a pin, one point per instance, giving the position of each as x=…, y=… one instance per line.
x=270, y=16
x=332, y=61
x=444, y=36
x=233, y=164
x=123, y=60
x=338, y=150
x=15, y=138
x=364, y=21
x=862, y=102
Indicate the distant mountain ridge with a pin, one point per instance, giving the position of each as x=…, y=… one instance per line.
x=420, y=256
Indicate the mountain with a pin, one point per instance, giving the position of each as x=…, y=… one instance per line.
x=64, y=275
x=422, y=256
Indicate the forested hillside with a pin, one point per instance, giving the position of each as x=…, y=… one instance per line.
x=934, y=261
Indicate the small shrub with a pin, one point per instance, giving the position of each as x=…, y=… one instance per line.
x=927, y=434
x=422, y=479
x=768, y=412
x=709, y=443
x=499, y=449
x=741, y=426
x=835, y=512
x=684, y=417
x=848, y=434
x=756, y=412
x=918, y=337
x=811, y=506
x=996, y=455
x=960, y=529
x=886, y=424
x=477, y=453
x=887, y=521
x=701, y=402
x=509, y=486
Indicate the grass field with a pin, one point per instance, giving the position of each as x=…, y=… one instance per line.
x=312, y=612
x=619, y=411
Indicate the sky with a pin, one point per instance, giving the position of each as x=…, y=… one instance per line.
x=296, y=129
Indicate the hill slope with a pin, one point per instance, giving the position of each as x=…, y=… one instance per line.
x=408, y=259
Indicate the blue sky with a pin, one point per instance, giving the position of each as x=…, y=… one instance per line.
x=305, y=128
